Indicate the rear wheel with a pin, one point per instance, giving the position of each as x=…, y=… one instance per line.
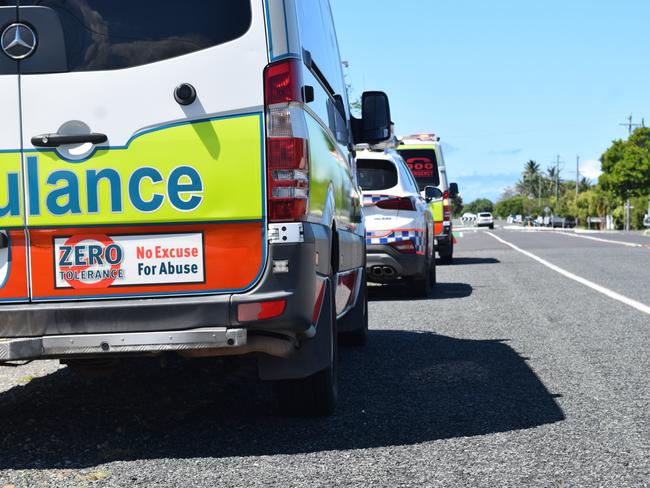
x=447, y=254
x=316, y=395
x=424, y=284
x=355, y=322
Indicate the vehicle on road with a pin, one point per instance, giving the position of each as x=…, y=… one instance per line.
x=485, y=219
x=423, y=155
x=399, y=222
x=181, y=180
x=529, y=221
x=569, y=223
x=555, y=222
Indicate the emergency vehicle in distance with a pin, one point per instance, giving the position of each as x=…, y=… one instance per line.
x=423, y=155
x=181, y=181
x=399, y=222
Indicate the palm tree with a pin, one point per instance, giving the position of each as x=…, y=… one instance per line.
x=531, y=168
x=529, y=184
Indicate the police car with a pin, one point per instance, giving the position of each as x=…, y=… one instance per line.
x=178, y=179
x=399, y=222
x=423, y=155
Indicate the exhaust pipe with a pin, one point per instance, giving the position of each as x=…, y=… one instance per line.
x=273, y=346
x=377, y=271
x=388, y=272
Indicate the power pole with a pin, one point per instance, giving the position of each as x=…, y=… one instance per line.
x=577, y=175
x=557, y=182
x=631, y=126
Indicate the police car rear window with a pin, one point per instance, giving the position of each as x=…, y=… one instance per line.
x=375, y=174
x=114, y=34
x=423, y=164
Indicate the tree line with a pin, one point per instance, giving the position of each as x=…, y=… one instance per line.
x=625, y=174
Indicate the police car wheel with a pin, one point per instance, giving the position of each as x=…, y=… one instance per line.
x=316, y=395
x=358, y=316
x=423, y=285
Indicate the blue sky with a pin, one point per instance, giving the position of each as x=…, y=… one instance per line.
x=504, y=81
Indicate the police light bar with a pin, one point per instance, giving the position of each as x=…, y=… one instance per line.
x=423, y=137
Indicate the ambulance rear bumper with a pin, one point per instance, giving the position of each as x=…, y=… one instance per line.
x=133, y=343
x=41, y=330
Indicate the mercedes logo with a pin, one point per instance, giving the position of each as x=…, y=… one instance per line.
x=18, y=41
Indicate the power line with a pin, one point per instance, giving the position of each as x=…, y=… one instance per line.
x=631, y=125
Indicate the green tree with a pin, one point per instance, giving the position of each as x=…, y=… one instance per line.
x=510, y=206
x=626, y=166
x=479, y=205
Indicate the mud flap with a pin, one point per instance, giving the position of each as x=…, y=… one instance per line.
x=314, y=354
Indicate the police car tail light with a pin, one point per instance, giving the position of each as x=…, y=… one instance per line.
x=286, y=144
x=406, y=247
x=404, y=203
x=446, y=209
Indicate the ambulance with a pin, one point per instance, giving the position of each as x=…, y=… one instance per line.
x=423, y=155
x=180, y=179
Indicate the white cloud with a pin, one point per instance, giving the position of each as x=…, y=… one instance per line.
x=590, y=169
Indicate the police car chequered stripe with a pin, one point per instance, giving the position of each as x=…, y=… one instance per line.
x=374, y=199
x=384, y=237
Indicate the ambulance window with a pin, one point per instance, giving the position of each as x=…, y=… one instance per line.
x=423, y=165
x=105, y=35
x=7, y=16
x=376, y=174
x=318, y=36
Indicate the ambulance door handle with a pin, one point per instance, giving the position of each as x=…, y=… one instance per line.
x=56, y=140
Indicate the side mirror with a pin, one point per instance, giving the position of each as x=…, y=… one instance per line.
x=453, y=190
x=432, y=193
x=375, y=123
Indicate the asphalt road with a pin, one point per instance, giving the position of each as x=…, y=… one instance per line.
x=513, y=375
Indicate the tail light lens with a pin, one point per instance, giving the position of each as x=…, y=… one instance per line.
x=446, y=208
x=404, y=203
x=405, y=247
x=286, y=143
x=250, y=312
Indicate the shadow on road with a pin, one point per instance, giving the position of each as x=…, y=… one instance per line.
x=467, y=261
x=399, y=292
x=404, y=388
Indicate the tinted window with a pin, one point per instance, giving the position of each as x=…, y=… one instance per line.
x=8, y=16
x=375, y=174
x=113, y=34
x=318, y=36
x=423, y=165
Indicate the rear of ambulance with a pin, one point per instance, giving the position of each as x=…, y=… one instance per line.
x=137, y=198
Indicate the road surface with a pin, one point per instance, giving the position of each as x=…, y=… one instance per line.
x=515, y=374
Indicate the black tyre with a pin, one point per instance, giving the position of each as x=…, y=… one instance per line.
x=447, y=254
x=354, y=326
x=491, y=226
x=316, y=395
x=424, y=284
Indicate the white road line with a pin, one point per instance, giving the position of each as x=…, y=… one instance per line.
x=601, y=289
x=599, y=239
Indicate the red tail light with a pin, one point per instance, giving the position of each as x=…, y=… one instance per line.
x=250, y=312
x=405, y=247
x=446, y=208
x=283, y=82
x=286, y=143
x=405, y=203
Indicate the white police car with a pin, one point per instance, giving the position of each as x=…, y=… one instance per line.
x=399, y=223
